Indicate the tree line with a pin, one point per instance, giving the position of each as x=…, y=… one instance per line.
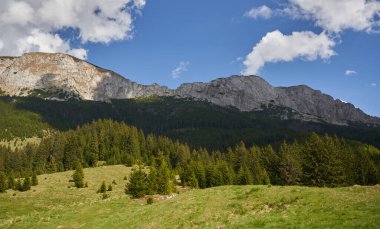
x=316, y=161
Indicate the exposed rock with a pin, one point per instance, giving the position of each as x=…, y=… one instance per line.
x=61, y=73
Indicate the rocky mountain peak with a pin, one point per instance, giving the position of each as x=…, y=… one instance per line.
x=63, y=74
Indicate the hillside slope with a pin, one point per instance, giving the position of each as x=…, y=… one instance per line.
x=52, y=204
x=198, y=123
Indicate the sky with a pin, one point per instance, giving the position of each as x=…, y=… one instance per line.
x=331, y=46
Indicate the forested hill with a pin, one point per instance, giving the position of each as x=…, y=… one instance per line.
x=317, y=161
x=200, y=124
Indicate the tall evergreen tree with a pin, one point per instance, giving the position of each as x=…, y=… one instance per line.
x=26, y=184
x=138, y=184
x=34, y=179
x=78, y=176
x=3, y=182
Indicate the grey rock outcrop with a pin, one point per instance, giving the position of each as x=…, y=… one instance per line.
x=20, y=76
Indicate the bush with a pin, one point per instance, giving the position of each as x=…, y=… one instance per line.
x=109, y=188
x=103, y=188
x=149, y=200
x=105, y=196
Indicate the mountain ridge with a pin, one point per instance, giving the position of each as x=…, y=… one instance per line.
x=62, y=73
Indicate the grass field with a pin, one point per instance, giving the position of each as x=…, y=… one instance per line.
x=52, y=204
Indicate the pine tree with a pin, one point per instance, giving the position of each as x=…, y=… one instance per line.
x=244, y=176
x=78, y=176
x=103, y=188
x=34, y=179
x=18, y=185
x=290, y=165
x=109, y=188
x=11, y=182
x=26, y=185
x=138, y=183
x=3, y=182
x=164, y=178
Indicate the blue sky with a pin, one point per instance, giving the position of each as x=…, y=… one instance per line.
x=207, y=39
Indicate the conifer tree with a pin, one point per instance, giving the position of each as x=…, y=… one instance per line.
x=290, y=165
x=26, y=184
x=138, y=185
x=3, y=182
x=78, y=176
x=18, y=185
x=11, y=182
x=34, y=179
x=164, y=178
x=103, y=188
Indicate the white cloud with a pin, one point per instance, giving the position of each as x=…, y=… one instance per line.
x=259, y=12
x=373, y=84
x=336, y=16
x=350, y=72
x=237, y=60
x=34, y=25
x=277, y=47
x=182, y=67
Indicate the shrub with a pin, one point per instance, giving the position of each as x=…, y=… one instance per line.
x=105, y=196
x=149, y=200
x=103, y=188
x=109, y=188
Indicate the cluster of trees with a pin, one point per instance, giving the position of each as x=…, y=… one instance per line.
x=157, y=179
x=18, y=184
x=316, y=161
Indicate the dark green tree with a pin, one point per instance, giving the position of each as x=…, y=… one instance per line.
x=26, y=184
x=78, y=176
x=103, y=188
x=138, y=184
x=3, y=182
x=34, y=179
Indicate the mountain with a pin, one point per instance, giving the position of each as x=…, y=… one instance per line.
x=60, y=76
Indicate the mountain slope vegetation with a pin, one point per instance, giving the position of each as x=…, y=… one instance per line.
x=317, y=161
x=197, y=123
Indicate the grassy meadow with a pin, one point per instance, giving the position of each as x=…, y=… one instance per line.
x=54, y=203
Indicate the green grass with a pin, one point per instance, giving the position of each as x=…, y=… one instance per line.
x=52, y=204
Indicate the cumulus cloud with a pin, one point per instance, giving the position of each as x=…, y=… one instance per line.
x=277, y=47
x=182, y=67
x=259, y=12
x=336, y=16
x=373, y=84
x=350, y=72
x=35, y=25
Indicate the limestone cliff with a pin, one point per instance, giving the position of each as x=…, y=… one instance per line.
x=61, y=73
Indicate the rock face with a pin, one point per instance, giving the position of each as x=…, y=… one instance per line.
x=61, y=73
